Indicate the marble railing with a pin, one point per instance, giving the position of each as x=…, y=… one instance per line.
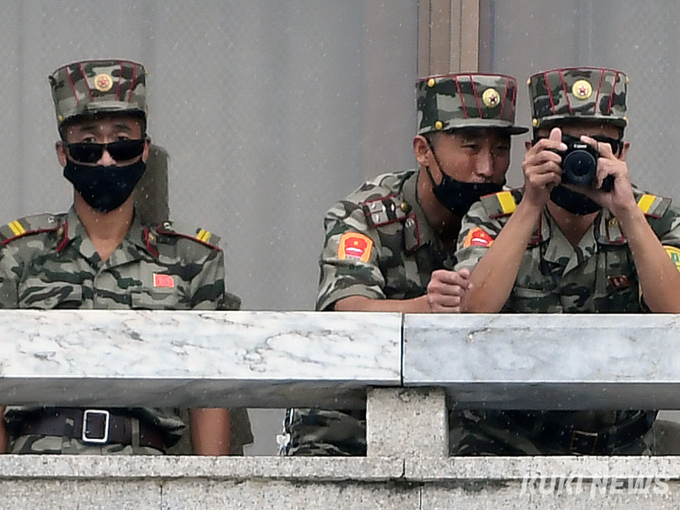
x=250, y=359
x=280, y=359
x=538, y=361
x=406, y=370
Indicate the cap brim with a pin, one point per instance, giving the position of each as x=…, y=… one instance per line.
x=517, y=130
x=484, y=124
x=556, y=120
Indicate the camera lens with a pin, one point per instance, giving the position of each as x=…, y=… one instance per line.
x=579, y=167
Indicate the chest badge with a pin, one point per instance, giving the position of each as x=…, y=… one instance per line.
x=163, y=281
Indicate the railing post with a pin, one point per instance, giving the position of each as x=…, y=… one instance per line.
x=407, y=423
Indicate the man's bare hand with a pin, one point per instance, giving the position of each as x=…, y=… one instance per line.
x=446, y=289
x=620, y=200
x=542, y=170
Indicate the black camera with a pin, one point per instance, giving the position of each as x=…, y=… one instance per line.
x=579, y=163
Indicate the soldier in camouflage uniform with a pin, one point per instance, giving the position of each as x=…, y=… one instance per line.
x=389, y=245
x=549, y=248
x=99, y=255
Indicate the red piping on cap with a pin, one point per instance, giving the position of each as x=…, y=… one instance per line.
x=566, y=92
x=89, y=91
x=547, y=86
x=599, y=88
x=132, y=84
x=73, y=85
x=611, y=96
x=505, y=98
x=514, y=99
x=120, y=79
x=460, y=94
x=474, y=93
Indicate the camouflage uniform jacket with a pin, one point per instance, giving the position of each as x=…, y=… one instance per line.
x=599, y=276
x=48, y=262
x=402, y=250
x=378, y=245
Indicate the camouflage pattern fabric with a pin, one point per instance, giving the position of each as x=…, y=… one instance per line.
x=48, y=262
x=34, y=445
x=403, y=251
x=379, y=245
x=98, y=86
x=446, y=102
x=511, y=433
x=322, y=432
x=599, y=276
x=578, y=93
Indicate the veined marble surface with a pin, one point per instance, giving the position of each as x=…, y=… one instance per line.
x=267, y=359
x=539, y=361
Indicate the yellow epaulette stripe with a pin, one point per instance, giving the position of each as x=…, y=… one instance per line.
x=203, y=236
x=645, y=203
x=507, y=202
x=17, y=228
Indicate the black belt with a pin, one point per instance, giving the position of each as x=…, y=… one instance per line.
x=602, y=442
x=91, y=426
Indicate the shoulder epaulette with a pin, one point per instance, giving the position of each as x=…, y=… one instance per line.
x=502, y=203
x=199, y=235
x=28, y=225
x=385, y=210
x=653, y=206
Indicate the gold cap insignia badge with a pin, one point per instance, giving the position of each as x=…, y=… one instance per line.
x=582, y=89
x=103, y=82
x=491, y=98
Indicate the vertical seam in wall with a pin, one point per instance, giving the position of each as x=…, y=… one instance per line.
x=492, y=36
x=403, y=347
x=452, y=58
x=459, y=63
x=429, y=37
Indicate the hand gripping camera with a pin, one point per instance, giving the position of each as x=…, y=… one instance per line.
x=579, y=164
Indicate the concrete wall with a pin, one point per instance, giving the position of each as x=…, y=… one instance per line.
x=406, y=469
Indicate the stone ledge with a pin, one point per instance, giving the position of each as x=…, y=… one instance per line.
x=515, y=469
x=332, y=469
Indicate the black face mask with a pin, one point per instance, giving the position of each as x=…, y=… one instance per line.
x=575, y=203
x=459, y=196
x=104, y=188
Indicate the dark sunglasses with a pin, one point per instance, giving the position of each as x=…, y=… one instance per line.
x=120, y=150
x=615, y=143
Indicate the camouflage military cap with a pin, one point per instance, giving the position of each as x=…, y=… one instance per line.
x=98, y=86
x=453, y=101
x=578, y=93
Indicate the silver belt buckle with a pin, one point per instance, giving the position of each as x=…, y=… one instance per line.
x=91, y=413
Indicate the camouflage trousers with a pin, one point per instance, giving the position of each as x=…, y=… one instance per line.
x=35, y=444
x=321, y=432
x=522, y=433
x=308, y=432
